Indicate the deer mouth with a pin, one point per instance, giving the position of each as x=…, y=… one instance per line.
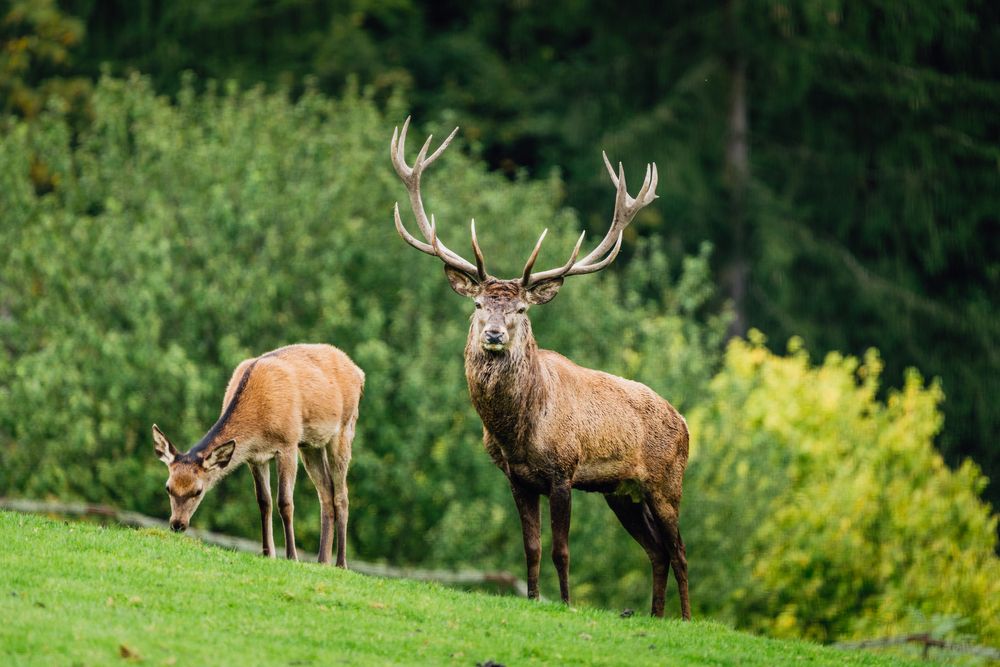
x=494, y=347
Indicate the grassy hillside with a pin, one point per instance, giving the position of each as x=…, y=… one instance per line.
x=80, y=594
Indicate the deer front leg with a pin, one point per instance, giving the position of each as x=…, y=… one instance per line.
x=287, y=468
x=559, y=509
x=527, y=507
x=262, y=486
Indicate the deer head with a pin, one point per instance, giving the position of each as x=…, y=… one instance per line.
x=500, y=321
x=191, y=475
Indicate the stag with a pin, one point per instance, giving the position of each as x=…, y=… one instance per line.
x=552, y=426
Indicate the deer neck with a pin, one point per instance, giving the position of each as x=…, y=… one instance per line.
x=507, y=388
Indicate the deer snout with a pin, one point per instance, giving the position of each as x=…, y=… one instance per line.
x=178, y=526
x=494, y=338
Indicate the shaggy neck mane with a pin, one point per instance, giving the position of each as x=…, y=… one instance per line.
x=507, y=389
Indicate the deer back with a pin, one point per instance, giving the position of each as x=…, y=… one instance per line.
x=295, y=393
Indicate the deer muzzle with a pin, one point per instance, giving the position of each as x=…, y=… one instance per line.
x=494, y=340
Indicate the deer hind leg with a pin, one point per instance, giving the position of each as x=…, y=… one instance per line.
x=262, y=486
x=314, y=460
x=667, y=513
x=340, y=458
x=560, y=504
x=640, y=523
x=288, y=466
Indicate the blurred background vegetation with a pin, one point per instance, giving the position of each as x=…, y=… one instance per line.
x=183, y=184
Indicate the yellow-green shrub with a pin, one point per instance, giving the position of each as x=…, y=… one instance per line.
x=818, y=510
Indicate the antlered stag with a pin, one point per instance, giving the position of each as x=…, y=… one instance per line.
x=550, y=425
x=297, y=399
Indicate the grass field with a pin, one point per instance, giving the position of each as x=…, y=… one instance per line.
x=80, y=594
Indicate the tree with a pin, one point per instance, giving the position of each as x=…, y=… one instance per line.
x=36, y=39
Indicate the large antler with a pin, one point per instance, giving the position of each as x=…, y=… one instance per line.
x=625, y=209
x=411, y=178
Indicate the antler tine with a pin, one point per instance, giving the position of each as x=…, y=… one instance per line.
x=480, y=262
x=580, y=268
x=562, y=270
x=648, y=192
x=444, y=145
x=411, y=178
x=434, y=248
x=454, y=261
x=407, y=236
x=611, y=171
x=398, y=149
x=526, y=275
x=418, y=164
x=645, y=185
x=625, y=209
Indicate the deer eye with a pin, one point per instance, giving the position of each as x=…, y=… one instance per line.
x=478, y=305
x=521, y=309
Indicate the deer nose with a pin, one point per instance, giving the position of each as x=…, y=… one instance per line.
x=493, y=336
x=178, y=526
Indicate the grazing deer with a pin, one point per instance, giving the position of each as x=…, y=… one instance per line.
x=300, y=398
x=550, y=425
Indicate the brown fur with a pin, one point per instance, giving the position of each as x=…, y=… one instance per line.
x=297, y=399
x=551, y=425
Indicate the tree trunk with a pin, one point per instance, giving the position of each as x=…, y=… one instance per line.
x=736, y=176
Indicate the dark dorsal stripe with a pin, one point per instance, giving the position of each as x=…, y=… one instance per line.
x=194, y=454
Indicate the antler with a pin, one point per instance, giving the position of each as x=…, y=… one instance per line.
x=625, y=209
x=411, y=178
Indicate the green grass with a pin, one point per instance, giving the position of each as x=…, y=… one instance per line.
x=73, y=593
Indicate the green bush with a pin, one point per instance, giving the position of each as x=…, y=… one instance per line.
x=179, y=238
x=168, y=241
x=817, y=510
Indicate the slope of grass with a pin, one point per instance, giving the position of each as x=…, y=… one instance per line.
x=75, y=593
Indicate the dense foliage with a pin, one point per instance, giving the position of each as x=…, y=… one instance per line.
x=169, y=242
x=820, y=511
x=856, y=208
x=36, y=40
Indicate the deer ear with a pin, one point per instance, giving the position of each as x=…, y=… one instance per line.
x=543, y=291
x=165, y=450
x=219, y=456
x=462, y=282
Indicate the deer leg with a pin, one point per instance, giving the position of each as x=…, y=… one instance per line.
x=642, y=526
x=314, y=461
x=340, y=459
x=526, y=500
x=560, y=502
x=668, y=515
x=678, y=560
x=287, y=469
x=262, y=486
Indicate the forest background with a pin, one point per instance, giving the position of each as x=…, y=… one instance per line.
x=183, y=184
